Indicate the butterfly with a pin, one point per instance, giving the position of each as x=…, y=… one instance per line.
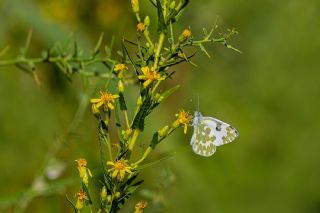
x=209, y=133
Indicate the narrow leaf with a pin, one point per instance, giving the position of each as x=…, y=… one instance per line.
x=162, y=27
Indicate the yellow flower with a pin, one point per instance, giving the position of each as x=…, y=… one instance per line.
x=119, y=69
x=84, y=172
x=119, y=168
x=141, y=27
x=186, y=33
x=106, y=99
x=140, y=206
x=183, y=118
x=81, y=198
x=149, y=75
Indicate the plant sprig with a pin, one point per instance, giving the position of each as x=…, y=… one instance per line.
x=147, y=70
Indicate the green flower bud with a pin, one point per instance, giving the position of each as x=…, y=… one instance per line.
x=172, y=5
x=117, y=194
x=103, y=194
x=135, y=6
x=163, y=132
x=147, y=21
x=120, y=86
x=139, y=102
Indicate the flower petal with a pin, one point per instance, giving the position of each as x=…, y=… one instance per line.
x=95, y=100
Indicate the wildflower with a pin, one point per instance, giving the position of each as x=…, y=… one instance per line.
x=119, y=69
x=185, y=35
x=81, y=198
x=183, y=118
x=149, y=75
x=84, y=172
x=140, y=206
x=141, y=27
x=119, y=169
x=106, y=99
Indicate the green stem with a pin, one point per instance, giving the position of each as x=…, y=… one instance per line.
x=158, y=50
x=125, y=113
x=133, y=140
x=144, y=156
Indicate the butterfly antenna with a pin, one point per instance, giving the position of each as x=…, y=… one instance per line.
x=198, y=104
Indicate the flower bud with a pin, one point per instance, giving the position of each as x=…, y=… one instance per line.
x=95, y=110
x=147, y=21
x=164, y=131
x=103, y=194
x=117, y=194
x=120, y=86
x=139, y=101
x=172, y=5
x=135, y=6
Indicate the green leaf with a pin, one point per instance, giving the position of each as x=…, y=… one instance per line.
x=122, y=102
x=162, y=27
x=98, y=45
x=70, y=202
x=130, y=59
x=155, y=140
x=138, y=122
x=204, y=50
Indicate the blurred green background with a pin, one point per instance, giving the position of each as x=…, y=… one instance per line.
x=270, y=93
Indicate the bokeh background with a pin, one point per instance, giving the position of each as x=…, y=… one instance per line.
x=270, y=93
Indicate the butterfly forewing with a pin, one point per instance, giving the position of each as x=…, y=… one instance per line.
x=223, y=132
x=209, y=133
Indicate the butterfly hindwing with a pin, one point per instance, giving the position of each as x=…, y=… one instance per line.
x=209, y=133
x=203, y=139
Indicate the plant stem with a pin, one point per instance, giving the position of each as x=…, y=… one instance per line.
x=158, y=50
x=145, y=155
x=133, y=140
x=125, y=113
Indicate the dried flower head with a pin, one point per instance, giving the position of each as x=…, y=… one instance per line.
x=106, y=98
x=140, y=206
x=81, y=198
x=119, y=168
x=149, y=75
x=84, y=172
x=183, y=118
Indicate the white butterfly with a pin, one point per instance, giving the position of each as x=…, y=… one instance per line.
x=210, y=133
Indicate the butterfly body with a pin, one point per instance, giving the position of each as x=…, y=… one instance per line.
x=209, y=133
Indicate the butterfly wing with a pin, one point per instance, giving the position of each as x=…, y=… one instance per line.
x=223, y=132
x=203, y=138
